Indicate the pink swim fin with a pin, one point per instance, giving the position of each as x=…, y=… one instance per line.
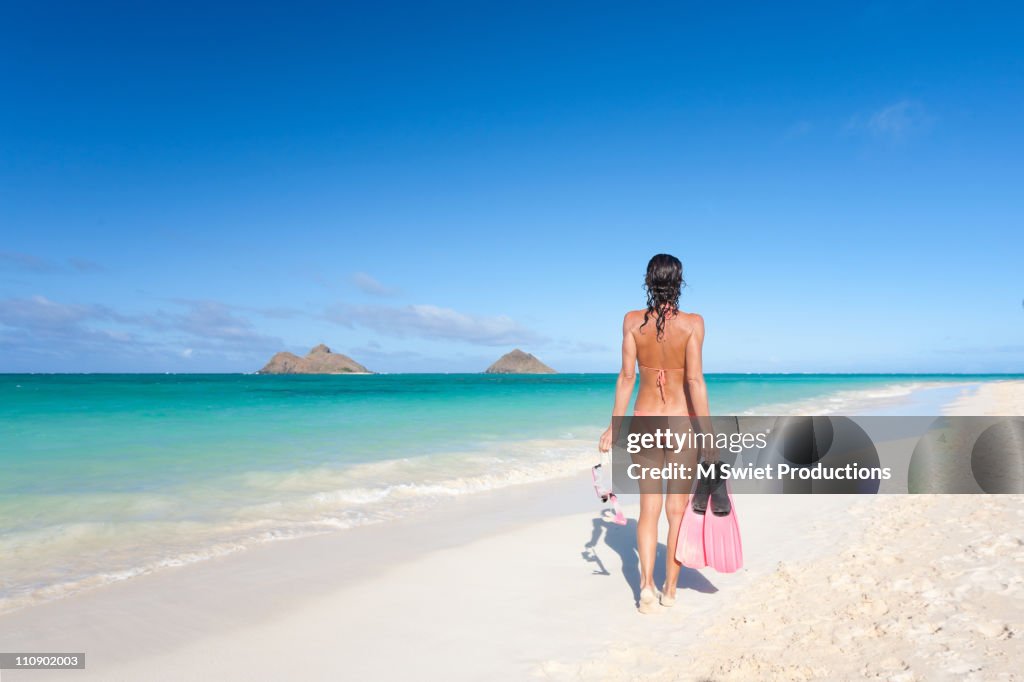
x=723, y=549
x=690, y=545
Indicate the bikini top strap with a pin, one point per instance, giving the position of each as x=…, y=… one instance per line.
x=661, y=376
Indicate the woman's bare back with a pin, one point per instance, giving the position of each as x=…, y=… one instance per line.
x=665, y=363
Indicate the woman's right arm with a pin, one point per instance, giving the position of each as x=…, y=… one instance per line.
x=695, y=371
x=695, y=385
x=623, y=384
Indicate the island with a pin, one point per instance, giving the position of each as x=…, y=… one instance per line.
x=518, y=362
x=320, y=360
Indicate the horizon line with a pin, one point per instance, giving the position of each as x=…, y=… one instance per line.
x=503, y=374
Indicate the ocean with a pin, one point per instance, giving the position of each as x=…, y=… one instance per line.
x=104, y=477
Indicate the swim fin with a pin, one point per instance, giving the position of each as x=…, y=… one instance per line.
x=720, y=499
x=723, y=549
x=690, y=545
x=710, y=488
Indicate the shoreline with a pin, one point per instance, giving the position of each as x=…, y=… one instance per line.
x=407, y=495
x=264, y=584
x=311, y=500
x=1004, y=397
x=341, y=597
x=339, y=602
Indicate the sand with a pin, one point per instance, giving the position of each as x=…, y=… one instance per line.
x=532, y=583
x=491, y=588
x=932, y=590
x=995, y=398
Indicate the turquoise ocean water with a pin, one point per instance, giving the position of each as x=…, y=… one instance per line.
x=103, y=477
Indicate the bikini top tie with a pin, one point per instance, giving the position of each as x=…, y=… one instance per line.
x=662, y=376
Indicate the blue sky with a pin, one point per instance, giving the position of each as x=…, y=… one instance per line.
x=425, y=186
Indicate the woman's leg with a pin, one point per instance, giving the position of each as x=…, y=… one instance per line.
x=647, y=536
x=675, y=505
x=677, y=499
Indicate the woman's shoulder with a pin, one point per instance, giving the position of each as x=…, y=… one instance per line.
x=633, y=318
x=692, y=322
x=682, y=320
x=691, y=318
x=681, y=315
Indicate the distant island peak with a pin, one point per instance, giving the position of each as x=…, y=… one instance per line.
x=518, y=362
x=319, y=360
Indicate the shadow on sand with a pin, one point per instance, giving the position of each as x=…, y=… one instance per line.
x=622, y=541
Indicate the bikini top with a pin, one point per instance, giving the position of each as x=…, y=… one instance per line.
x=661, y=376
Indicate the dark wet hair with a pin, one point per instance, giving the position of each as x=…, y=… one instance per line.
x=663, y=283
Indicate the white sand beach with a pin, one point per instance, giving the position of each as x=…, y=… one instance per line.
x=994, y=398
x=531, y=582
x=931, y=588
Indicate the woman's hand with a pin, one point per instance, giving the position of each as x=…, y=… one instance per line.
x=605, y=443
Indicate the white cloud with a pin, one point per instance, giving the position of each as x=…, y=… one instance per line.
x=35, y=326
x=26, y=262
x=434, y=322
x=895, y=121
x=369, y=285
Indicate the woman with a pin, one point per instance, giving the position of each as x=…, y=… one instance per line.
x=666, y=343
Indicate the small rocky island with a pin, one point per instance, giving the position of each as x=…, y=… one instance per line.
x=320, y=360
x=518, y=362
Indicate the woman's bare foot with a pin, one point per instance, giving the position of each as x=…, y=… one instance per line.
x=668, y=598
x=648, y=600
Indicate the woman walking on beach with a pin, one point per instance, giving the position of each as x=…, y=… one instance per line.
x=666, y=343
